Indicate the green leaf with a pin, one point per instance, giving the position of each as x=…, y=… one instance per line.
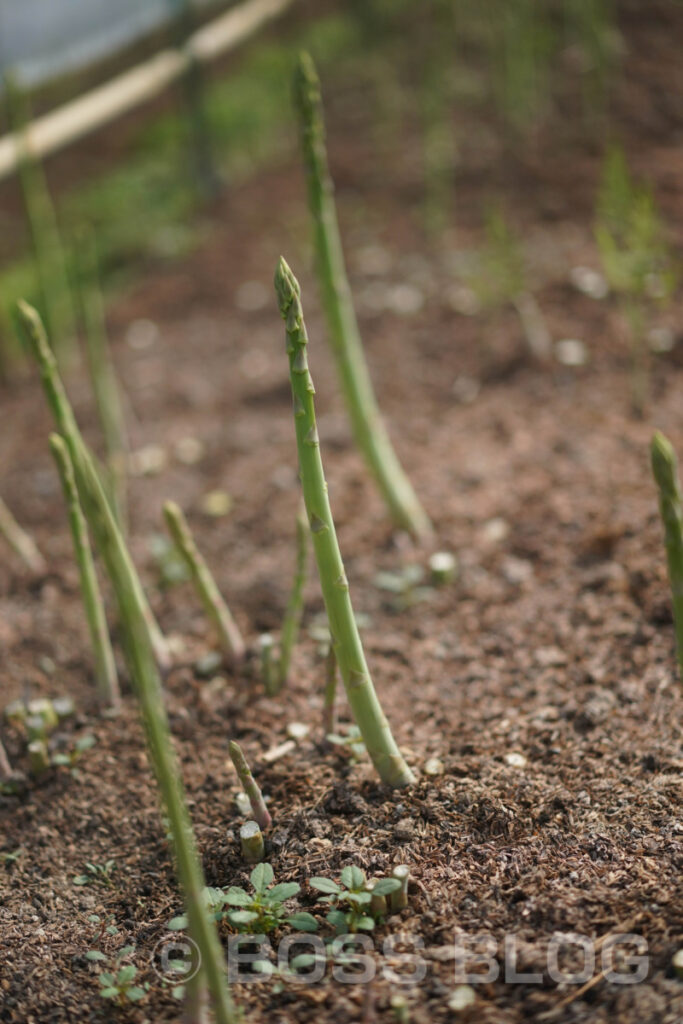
x=110, y=993
x=324, y=884
x=176, y=924
x=237, y=897
x=365, y=924
x=303, y=960
x=213, y=897
x=386, y=885
x=178, y=991
x=261, y=877
x=106, y=978
x=135, y=994
x=126, y=974
x=94, y=954
x=283, y=891
x=338, y=921
x=85, y=743
x=81, y=879
x=358, y=898
x=112, y=929
x=61, y=759
x=352, y=877
x=126, y=951
x=302, y=922
x=242, y=916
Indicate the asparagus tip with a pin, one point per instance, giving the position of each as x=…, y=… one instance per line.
x=663, y=460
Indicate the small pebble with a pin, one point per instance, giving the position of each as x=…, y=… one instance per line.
x=216, y=504
x=571, y=352
x=206, y=666
x=661, y=339
x=462, y=997
x=149, y=460
x=298, y=730
x=189, y=450
x=443, y=567
x=433, y=766
x=142, y=334
x=515, y=760
x=495, y=530
x=589, y=282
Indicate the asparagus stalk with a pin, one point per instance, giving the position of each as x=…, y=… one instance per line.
x=268, y=664
x=665, y=470
x=94, y=501
x=201, y=927
x=346, y=640
x=399, y=898
x=103, y=376
x=105, y=668
x=44, y=229
x=251, y=842
x=250, y=786
x=369, y=431
x=21, y=542
x=216, y=609
x=295, y=605
x=330, y=694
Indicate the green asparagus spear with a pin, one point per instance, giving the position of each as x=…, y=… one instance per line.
x=345, y=637
x=330, y=695
x=369, y=430
x=94, y=501
x=250, y=786
x=217, y=610
x=22, y=543
x=295, y=606
x=103, y=375
x=105, y=668
x=665, y=470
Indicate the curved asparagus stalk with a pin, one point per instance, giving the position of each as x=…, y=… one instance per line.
x=250, y=786
x=368, y=427
x=215, y=607
x=110, y=544
x=21, y=542
x=105, y=668
x=665, y=470
x=348, y=648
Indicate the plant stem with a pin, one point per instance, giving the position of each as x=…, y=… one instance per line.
x=268, y=664
x=21, y=542
x=399, y=898
x=329, y=722
x=110, y=544
x=46, y=242
x=251, y=842
x=215, y=607
x=103, y=376
x=5, y=766
x=250, y=786
x=346, y=640
x=105, y=668
x=368, y=427
x=665, y=470
x=295, y=605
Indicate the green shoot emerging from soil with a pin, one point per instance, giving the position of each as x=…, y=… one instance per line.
x=346, y=640
x=118, y=983
x=351, y=902
x=665, y=470
x=97, y=874
x=250, y=786
x=105, y=668
x=215, y=607
x=259, y=912
x=366, y=421
x=635, y=258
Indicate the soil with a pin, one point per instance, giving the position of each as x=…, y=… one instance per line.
x=544, y=679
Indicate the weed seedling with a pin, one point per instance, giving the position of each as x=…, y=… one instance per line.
x=97, y=874
x=351, y=902
x=118, y=983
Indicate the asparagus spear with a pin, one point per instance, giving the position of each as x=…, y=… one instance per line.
x=22, y=543
x=217, y=610
x=105, y=668
x=330, y=694
x=368, y=427
x=251, y=842
x=250, y=786
x=98, y=512
x=665, y=470
x=345, y=637
x=103, y=376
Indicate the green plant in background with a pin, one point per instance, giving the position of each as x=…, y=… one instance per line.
x=351, y=901
x=591, y=25
x=118, y=983
x=635, y=257
x=351, y=740
x=498, y=277
x=665, y=471
x=521, y=43
x=111, y=546
x=219, y=614
x=103, y=374
x=97, y=874
x=275, y=670
x=259, y=912
x=348, y=647
x=439, y=149
x=21, y=542
x=48, y=251
x=69, y=758
x=367, y=424
x=105, y=667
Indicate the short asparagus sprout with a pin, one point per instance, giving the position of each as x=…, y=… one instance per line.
x=268, y=662
x=22, y=543
x=105, y=666
x=15, y=712
x=250, y=786
x=330, y=694
x=215, y=607
x=43, y=709
x=348, y=648
x=443, y=567
x=368, y=427
x=295, y=605
x=251, y=842
x=399, y=1005
x=111, y=546
x=378, y=903
x=665, y=470
x=399, y=898
x=38, y=757
x=64, y=707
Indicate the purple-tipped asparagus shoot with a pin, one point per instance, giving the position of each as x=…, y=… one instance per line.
x=250, y=786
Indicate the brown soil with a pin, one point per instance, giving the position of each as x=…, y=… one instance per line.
x=555, y=644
